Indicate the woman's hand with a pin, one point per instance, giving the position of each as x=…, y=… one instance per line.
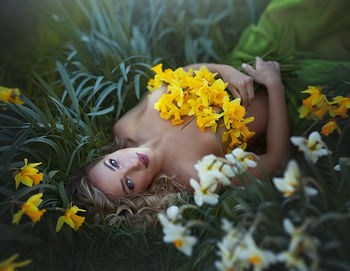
x=239, y=84
x=265, y=72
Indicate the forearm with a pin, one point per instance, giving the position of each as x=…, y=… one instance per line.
x=277, y=133
x=212, y=67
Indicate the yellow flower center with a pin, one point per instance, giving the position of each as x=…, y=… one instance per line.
x=178, y=243
x=313, y=146
x=255, y=260
x=204, y=190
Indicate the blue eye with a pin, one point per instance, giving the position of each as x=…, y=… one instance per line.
x=114, y=163
x=129, y=184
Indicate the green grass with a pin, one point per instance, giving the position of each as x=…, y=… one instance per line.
x=80, y=71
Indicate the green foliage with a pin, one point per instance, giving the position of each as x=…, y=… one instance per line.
x=93, y=68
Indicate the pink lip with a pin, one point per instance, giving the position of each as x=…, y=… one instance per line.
x=143, y=158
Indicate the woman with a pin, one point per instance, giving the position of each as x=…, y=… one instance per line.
x=125, y=174
x=302, y=34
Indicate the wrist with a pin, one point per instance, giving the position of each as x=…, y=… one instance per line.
x=273, y=83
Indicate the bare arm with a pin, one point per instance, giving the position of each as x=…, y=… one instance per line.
x=277, y=133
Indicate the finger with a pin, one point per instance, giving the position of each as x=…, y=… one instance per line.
x=234, y=91
x=250, y=90
x=241, y=88
x=258, y=61
x=248, y=69
x=276, y=64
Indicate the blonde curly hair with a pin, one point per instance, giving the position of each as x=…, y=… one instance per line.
x=136, y=209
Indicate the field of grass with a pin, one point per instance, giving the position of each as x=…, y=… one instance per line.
x=80, y=65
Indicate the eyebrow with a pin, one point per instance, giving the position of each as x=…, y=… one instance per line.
x=108, y=165
x=123, y=186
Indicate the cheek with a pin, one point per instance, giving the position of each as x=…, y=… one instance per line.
x=145, y=181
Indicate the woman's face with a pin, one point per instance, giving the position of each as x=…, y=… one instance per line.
x=123, y=172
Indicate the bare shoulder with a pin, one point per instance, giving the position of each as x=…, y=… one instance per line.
x=123, y=127
x=129, y=119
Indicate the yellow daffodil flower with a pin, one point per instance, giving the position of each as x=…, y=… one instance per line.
x=177, y=92
x=177, y=116
x=207, y=118
x=329, y=127
x=316, y=98
x=304, y=111
x=28, y=174
x=8, y=95
x=343, y=108
x=232, y=111
x=9, y=265
x=233, y=135
x=158, y=69
x=30, y=208
x=315, y=105
x=204, y=93
x=321, y=112
x=70, y=217
x=204, y=73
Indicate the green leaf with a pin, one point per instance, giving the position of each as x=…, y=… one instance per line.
x=63, y=194
x=69, y=87
x=102, y=112
x=15, y=233
x=137, y=85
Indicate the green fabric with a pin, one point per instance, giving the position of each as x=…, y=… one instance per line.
x=310, y=38
x=299, y=28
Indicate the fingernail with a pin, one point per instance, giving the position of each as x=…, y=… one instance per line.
x=244, y=65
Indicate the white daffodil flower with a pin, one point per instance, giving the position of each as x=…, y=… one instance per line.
x=291, y=181
x=257, y=257
x=169, y=222
x=229, y=248
x=210, y=169
x=337, y=167
x=173, y=212
x=300, y=242
x=177, y=234
x=345, y=162
x=241, y=160
x=204, y=192
x=214, y=176
x=295, y=233
x=292, y=261
x=206, y=163
x=166, y=223
x=313, y=147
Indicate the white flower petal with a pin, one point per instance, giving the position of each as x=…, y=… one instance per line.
x=288, y=226
x=311, y=191
x=172, y=212
x=297, y=140
x=315, y=136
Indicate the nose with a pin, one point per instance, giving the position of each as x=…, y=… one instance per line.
x=133, y=164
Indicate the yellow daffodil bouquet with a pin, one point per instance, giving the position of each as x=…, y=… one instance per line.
x=317, y=106
x=197, y=93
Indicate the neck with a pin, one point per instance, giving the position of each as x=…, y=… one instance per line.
x=156, y=146
x=164, y=154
